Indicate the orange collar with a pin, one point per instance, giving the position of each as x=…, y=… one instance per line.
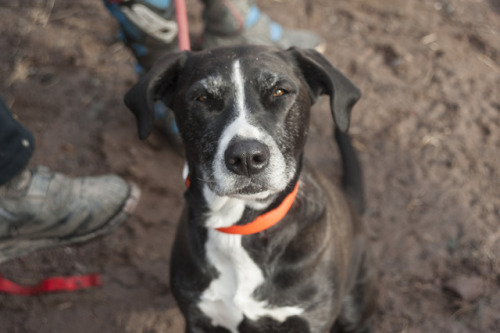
x=264, y=221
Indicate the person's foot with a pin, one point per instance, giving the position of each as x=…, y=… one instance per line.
x=41, y=209
x=149, y=30
x=147, y=27
x=238, y=22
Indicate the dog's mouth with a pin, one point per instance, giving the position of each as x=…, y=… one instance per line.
x=253, y=192
x=247, y=188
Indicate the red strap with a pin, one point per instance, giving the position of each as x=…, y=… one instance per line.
x=53, y=284
x=182, y=24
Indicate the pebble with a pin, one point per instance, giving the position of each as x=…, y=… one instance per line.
x=467, y=288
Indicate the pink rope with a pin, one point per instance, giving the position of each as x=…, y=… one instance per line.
x=182, y=22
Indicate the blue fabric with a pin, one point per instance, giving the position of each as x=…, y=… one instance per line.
x=161, y=112
x=175, y=129
x=252, y=17
x=275, y=32
x=139, y=69
x=161, y=4
x=128, y=28
x=139, y=49
x=121, y=35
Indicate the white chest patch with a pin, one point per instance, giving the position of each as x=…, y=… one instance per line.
x=229, y=297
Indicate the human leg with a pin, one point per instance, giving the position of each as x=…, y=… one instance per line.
x=40, y=208
x=149, y=28
x=233, y=22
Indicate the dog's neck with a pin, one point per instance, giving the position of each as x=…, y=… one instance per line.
x=220, y=212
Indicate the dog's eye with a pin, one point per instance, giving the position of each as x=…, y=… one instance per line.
x=202, y=98
x=279, y=92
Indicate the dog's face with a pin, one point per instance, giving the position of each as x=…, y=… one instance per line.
x=243, y=119
x=243, y=112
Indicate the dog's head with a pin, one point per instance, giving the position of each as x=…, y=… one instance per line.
x=243, y=112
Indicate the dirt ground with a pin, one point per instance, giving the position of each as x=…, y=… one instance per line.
x=427, y=130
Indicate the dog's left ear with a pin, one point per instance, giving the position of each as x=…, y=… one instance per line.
x=323, y=78
x=158, y=84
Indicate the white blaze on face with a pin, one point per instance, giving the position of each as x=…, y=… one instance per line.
x=275, y=176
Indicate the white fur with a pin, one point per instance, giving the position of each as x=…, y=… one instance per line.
x=185, y=172
x=225, y=211
x=213, y=84
x=276, y=176
x=229, y=298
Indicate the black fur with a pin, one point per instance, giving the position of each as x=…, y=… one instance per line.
x=317, y=257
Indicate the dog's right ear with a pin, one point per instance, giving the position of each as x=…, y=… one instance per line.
x=158, y=84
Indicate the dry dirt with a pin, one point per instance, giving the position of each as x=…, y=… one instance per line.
x=427, y=131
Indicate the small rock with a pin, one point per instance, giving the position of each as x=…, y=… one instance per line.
x=465, y=287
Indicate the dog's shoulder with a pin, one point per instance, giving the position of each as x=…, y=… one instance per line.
x=327, y=209
x=317, y=188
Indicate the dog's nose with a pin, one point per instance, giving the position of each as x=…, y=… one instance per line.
x=246, y=157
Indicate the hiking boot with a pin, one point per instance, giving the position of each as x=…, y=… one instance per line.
x=148, y=28
x=41, y=209
x=239, y=22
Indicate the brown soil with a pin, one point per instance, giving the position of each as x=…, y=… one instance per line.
x=427, y=131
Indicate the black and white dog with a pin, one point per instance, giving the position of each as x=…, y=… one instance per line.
x=264, y=244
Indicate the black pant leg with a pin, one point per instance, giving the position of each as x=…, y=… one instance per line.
x=16, y=145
